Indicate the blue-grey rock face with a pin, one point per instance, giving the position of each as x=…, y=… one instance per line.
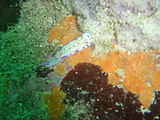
x=132, y=25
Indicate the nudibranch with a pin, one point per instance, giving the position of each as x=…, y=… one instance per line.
x=82, y=42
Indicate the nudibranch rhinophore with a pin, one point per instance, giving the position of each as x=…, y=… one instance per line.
x=82, y=42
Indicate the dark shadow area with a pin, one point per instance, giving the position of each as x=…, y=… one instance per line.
x=9, y=13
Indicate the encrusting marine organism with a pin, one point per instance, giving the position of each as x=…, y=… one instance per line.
x=82, y=42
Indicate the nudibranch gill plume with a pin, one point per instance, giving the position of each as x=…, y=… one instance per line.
x=82, y=42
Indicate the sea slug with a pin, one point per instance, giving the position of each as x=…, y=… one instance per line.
x=82, y=42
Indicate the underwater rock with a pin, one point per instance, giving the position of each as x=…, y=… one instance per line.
x=108, y=21
x=87, y=82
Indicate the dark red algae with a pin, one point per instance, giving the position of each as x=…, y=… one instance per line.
x=42, y=71
x=154, y=108
x=88, y=83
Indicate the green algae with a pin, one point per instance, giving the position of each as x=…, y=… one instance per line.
x=22, y=49
x=19, y=53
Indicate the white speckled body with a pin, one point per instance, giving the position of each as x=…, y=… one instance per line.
x=69, y=49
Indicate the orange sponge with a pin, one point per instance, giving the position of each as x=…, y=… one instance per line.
x=65, y=31
x=60, y=69
x=54, y=103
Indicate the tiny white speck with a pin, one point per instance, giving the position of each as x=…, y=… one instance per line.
x=116, y=111
x=121, y=80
